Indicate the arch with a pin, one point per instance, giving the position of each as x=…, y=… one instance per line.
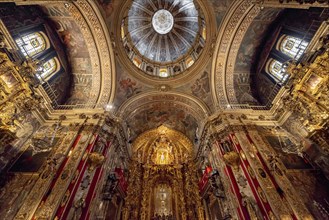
x=291, y=46
x=33, y=44
x=178, y=111
x=276, y=70
x=48, y=69
x=134, y=104
x=232, y=30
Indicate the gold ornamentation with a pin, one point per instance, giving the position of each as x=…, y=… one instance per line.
x=228, y=46
x=65, y=198
x=251, y=172
x=173, y=170
x=309, y=93
x=95, y=159
x=261, y=194
x=162, y=146
x=232, y=159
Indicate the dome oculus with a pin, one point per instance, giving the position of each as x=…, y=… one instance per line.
x=163, y=35
x=162, y=21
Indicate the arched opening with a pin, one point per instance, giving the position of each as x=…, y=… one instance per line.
x=291, y=46
x=276, y=70
x=48, y=69
x=33, y=44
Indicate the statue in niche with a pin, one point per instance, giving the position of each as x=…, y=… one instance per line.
x=162, y=151
x=251, y=207
x=49, y=169
x=274, y=164
x=79, y=204
x=216, y=184
x=10, y=119
x=163, y=202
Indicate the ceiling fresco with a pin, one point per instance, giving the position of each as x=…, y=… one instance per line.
x=127, y=86
x=174, y=110
x=77, y=52
x=247, y=42
x=163, y=113
x=247, y=55
x=200, y=87
x=107, y=7
x=88, y=50
x=220, y=8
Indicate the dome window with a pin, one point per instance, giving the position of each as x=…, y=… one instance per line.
x=189, y=62
x=163, y=73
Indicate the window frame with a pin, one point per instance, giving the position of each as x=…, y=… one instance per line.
x=26, y=46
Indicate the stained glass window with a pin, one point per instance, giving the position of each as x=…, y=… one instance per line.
x=276, y=70
x=292, y=46
x=32, y=44
x=49, y=68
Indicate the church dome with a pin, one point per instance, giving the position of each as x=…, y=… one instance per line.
x=163, y=38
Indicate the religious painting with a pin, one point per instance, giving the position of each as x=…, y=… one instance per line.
x=220, y=8
x=253, y=39
x=129, y=87
x=9, y=79
x=77, y=53
x=201, y=88
x=313, y=81
x=35, y=155
x=56, y=11
x=286, y=151
x=167, y=114
x=68, y=30
x=72, y=37
x=107, y=6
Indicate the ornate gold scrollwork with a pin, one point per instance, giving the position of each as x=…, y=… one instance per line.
x=95, y=159
x=162, y=160
x=309, y=92
x=232, y=159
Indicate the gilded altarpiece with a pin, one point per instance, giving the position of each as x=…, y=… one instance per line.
x=162, y=181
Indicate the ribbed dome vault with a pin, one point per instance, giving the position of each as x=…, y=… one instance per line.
x=163, y=37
